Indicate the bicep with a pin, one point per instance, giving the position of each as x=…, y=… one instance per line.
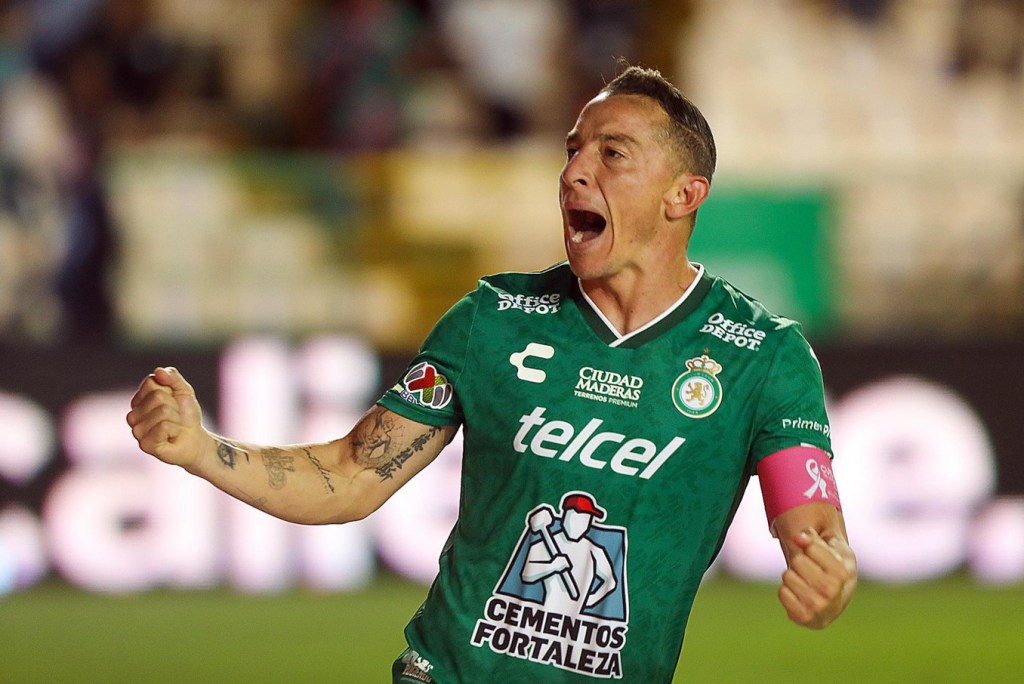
x=385, y=450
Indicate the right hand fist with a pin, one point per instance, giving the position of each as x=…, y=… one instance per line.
x=166, y=419
x=560, y=563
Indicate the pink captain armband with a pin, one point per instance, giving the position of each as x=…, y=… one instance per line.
x=795, y=476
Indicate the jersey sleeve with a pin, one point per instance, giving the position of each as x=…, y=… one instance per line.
x=791, y=411
x=427, y=391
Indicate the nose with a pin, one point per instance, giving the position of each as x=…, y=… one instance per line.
x=576, y=171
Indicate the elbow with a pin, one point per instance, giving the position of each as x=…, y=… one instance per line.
x=347, y=514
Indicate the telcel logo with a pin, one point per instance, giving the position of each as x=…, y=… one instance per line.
x=551, y=438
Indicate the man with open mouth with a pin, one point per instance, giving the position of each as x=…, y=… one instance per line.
x=613, y=407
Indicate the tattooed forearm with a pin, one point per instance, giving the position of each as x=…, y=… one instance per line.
x=277, y=465
x=325, y=474
x=387, y=470
x=228, y=452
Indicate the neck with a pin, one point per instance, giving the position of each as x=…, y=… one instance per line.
x=630, y=301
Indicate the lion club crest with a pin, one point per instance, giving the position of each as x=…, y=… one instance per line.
x=698, y=392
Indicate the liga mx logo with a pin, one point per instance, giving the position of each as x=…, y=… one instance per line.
x=425, y=386
x=562, y=600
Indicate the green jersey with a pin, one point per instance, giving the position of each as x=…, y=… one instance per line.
x=600, y=471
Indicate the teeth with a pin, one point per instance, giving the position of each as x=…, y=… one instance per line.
x=577, y=238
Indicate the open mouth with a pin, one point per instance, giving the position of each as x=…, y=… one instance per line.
x=585, y=225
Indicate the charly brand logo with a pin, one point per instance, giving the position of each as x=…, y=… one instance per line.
x=539, y=304
x=609, y=387
x=533, y=350
x=424, y=385
x=562, y=600
x=734, y=332
x=698, y=392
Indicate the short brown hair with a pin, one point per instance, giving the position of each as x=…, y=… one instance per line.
x=689, y=132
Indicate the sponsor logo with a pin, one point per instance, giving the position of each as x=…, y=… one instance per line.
x=697, y=392
x=416, y=667
x=562, y=600
x=609, y=387
x=734, y=332
x=536, y=350
x=560, y=439
x=423, y=385
x=539, y=304
x=804, y=424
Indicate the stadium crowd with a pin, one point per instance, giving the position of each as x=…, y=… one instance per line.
x=78, y=80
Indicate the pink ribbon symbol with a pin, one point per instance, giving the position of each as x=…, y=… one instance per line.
x=818, y=481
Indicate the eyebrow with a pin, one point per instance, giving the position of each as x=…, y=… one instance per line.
x=620, y=138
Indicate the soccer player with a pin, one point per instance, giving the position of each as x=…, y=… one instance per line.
x=627, y=387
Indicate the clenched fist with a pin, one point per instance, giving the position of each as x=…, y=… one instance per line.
x=166, y=419
x=820, y=580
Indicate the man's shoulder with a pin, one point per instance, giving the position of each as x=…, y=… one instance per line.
x=737, y=305
x=556, y=278
x=533, y=292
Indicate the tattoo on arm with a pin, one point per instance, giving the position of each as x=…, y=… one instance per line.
x=369, y=447
x=387, y=470
x=325, y=474
x=277, y=465
x=227, y=453
x=372, y=448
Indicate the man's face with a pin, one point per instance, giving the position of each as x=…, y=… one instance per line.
x=575, y=524
x=618, y=177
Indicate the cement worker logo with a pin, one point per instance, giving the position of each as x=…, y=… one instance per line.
x=425, y=386
x=697, y=392
x=568, y=562
x=568, y=569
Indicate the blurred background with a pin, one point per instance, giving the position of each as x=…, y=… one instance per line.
x=280, y=197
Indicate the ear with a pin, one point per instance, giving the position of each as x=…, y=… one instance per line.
x=686, y=195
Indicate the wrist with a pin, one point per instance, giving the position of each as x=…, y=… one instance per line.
x=205, y=453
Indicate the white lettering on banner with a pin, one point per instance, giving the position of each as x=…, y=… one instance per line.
x=626, y=460
x=26, y=441
x=915, y=464
x=23, y=558
x=886, y=435
x=734, y=332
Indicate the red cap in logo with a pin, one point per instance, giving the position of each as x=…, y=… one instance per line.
x=583, y=503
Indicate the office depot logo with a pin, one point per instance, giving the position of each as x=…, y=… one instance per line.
x=539, y=304
x=734, y=332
